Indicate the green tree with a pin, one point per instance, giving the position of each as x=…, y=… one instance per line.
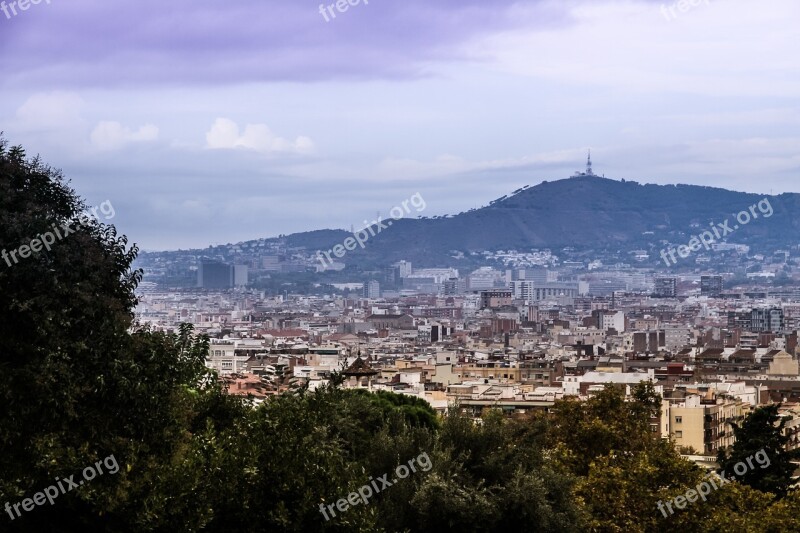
x=581, y=432
x=76, y=386
x=760, y=440
x=493, y=476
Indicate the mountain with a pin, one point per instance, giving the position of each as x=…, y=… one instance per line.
x=583, y=212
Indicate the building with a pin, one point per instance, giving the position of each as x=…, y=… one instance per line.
x=432, y=333
x=391, y=321
x=214, y=275
x=271, y=263
x=666, y=287
x=768, y=319
x=372, y=290
x=240, y=275
x=644, y=341
x=392, y=276
x=740, y=319
x=783, y=364
x=532, y=291
x=496, y=298
x=485, y=278
x=699, y=418
x=711, y=286
x=605, y=320
x=677, y=337
x=451, y=287
x=404, y=268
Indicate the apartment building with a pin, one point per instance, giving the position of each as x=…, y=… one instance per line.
x=699, y=418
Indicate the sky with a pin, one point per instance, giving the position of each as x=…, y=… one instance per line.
x=208, y=122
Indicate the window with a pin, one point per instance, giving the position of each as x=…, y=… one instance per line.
x=679, y=434
x=678, y=419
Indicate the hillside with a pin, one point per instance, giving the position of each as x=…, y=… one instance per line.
x=581, y=212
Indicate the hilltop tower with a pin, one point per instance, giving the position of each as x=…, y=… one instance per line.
x=589, y=171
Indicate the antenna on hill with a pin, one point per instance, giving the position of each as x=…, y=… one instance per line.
x=589, y=164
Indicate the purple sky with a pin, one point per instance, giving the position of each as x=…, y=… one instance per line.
x=208, y=122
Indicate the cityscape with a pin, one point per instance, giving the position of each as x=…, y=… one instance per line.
x=518, y=334
x=372, y=266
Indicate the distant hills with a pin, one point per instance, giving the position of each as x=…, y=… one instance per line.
x=584, y=212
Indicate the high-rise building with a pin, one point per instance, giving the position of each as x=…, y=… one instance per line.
x=372, y=290
x=214, y=275
x=240, y=275
x=392, y=276
x=405, y=268
x=758, y=320
x=769, y=319
x=666, y=287
x=740, y=319
x=711, y=285
x=450, y=287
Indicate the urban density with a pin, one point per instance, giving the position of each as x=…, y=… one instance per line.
x=513, y=339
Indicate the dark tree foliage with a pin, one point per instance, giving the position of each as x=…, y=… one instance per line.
x=761, y=433
x=416, y=411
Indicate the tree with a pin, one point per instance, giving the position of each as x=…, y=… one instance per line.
x=762, y=448
x=62, y=310
x=580, y=432
x=77, y=386
x=493, y=476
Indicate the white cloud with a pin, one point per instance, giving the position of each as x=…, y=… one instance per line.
x=53, y=111
x=109, y=135
x=722, y=49
x=224, y=134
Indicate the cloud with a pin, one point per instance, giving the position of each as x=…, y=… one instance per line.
x=50, y=111
x=109, y=135
x=718, y=49
x=90, y=43
x=224, y=134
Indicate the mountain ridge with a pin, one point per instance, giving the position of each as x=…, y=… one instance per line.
x=582, y=212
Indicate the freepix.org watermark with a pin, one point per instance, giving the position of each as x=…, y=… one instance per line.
x=49, y=238
x=718, y=231
x=365, y=492
x=704, y=489
x=341, y=6
x=361, y=236
x=681, y=5
x=52, y=492
x=10, y=8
